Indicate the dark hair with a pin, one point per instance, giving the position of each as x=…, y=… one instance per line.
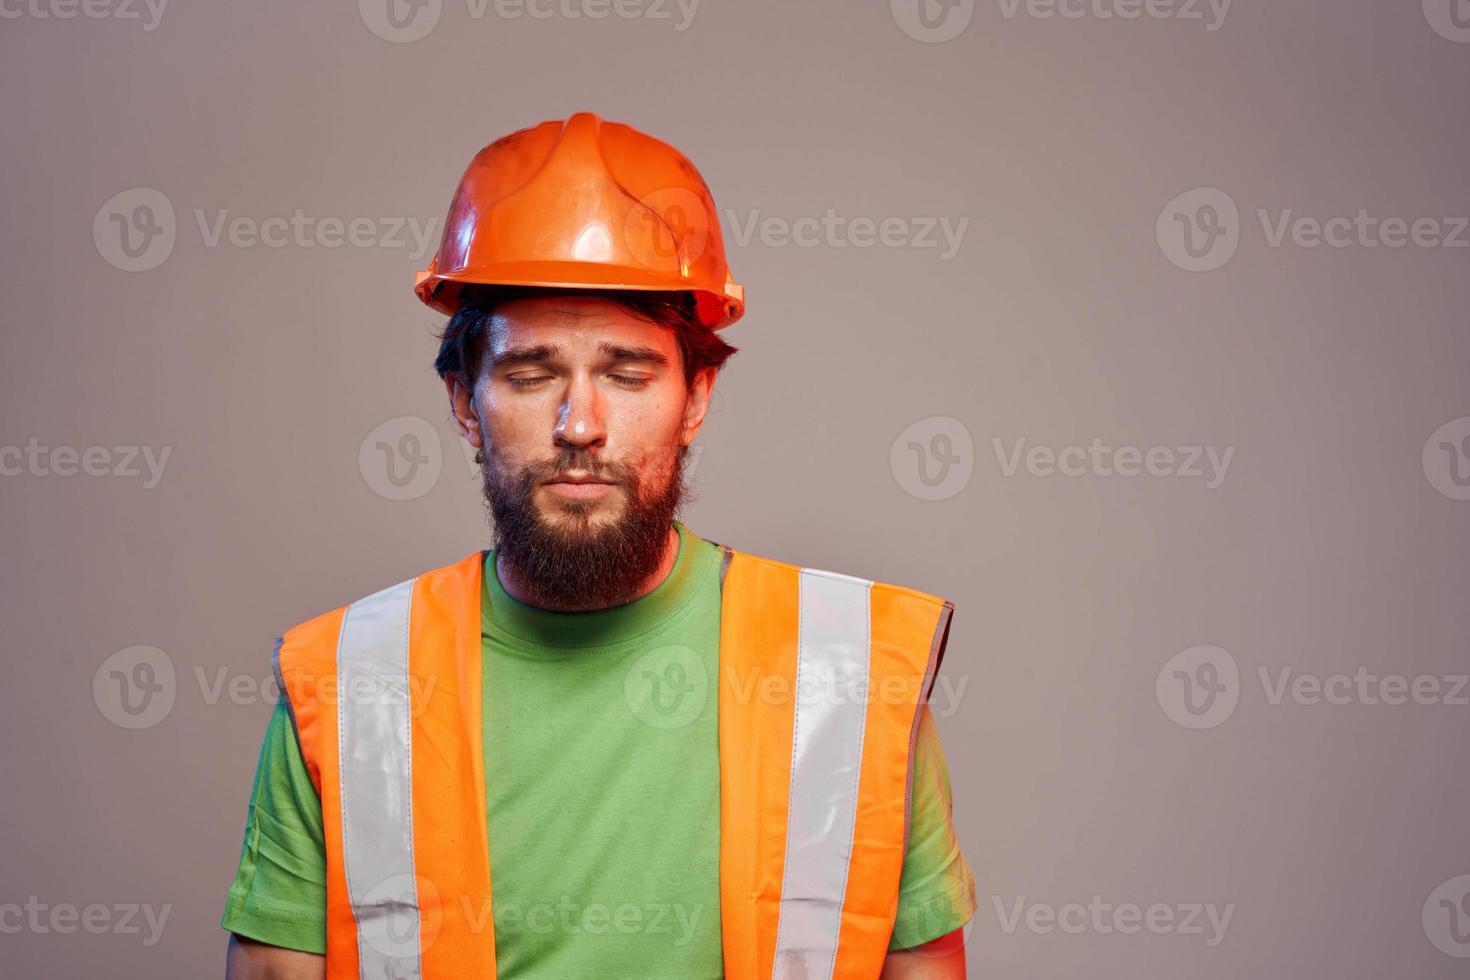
x=462, y=344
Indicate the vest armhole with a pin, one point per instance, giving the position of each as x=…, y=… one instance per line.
x=937, y=647
x=284, y=692
x=931, y=673
x=726, y=553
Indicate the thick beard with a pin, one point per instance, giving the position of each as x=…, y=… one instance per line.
x=576, y=565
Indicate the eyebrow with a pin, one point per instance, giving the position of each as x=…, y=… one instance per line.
x=546, y=352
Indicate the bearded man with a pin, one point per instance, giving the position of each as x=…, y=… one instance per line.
x=606, y=747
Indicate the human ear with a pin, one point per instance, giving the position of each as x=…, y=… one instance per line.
x=466, y=413
x=696, y=406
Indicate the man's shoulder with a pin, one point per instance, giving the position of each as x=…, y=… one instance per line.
x=433, y=580
x=793, y=572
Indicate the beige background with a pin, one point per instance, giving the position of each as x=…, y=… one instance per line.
x=1062, y=318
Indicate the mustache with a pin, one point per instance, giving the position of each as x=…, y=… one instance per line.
x=576, y=461
x=549, y=472
x=525, y=473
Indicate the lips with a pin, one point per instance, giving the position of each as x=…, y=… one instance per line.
x=579, y=480
x=584, y=488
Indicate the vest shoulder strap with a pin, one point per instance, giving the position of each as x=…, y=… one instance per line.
x=823, y=678
x=385, y=697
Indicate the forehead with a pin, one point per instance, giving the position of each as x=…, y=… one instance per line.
x=576, y=325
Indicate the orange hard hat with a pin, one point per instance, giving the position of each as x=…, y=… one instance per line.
x=583, y=203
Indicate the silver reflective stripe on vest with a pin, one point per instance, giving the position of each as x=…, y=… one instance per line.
x=376, y=777
x=826, y=757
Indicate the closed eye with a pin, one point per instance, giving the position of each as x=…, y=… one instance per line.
x=626, y=380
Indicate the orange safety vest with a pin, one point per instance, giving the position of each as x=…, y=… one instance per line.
x=822, y=677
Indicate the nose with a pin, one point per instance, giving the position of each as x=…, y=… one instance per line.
x=579, y=423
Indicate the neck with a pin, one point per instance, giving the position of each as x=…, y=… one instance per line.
x=517, y=590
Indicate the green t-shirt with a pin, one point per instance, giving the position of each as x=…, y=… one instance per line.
x=603, y=821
